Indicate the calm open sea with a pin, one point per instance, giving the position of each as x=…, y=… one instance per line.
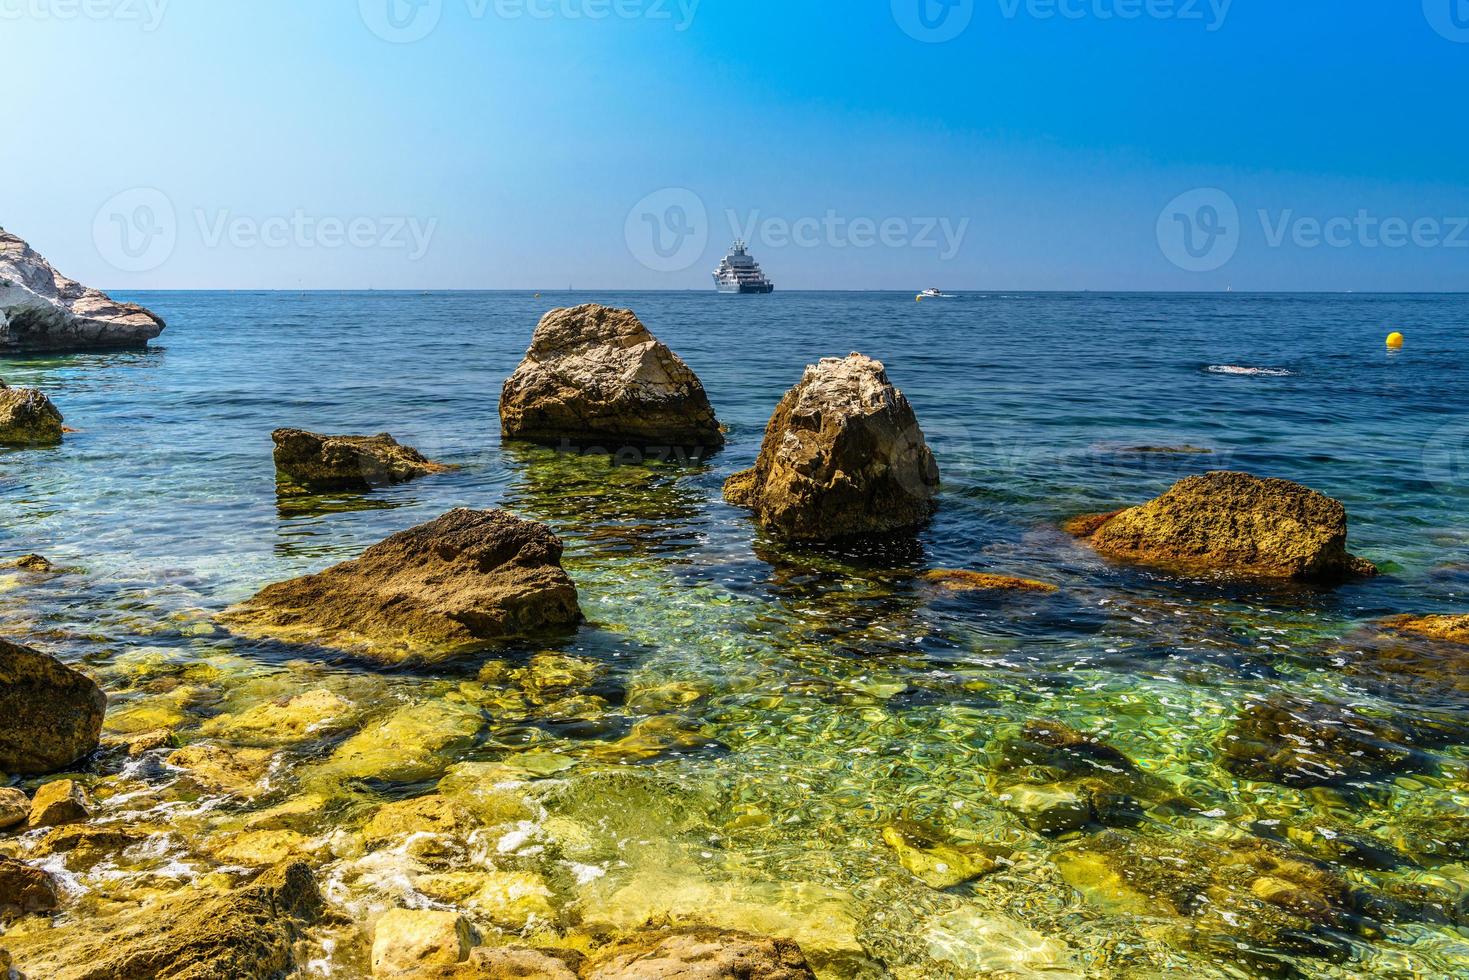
x=837, y=693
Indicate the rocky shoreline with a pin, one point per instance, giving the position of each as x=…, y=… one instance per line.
x=843, y=458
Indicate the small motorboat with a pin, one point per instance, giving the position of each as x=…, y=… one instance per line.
x=933, y=294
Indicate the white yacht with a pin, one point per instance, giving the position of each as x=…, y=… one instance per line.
x=740, y=273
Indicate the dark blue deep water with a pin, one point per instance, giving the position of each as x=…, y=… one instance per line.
x=833, y=695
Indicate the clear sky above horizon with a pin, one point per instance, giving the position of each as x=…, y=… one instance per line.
x=621, y=144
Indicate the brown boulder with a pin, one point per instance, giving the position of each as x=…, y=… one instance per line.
x=699, y=954
x=962, y=580
x=1236, y=523
x=453, y=584
x=25, y=890
x=27, y=418
x=61, y=801
x=1452, y=628
x=843, y=455
x=244, y=934
x=50, y=715
x=322, y=462
x=595, y=376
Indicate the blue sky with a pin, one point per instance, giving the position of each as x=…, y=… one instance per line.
x=1051, y=144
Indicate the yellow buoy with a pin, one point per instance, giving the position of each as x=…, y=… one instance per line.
x=1394, y=341
x=918, y=299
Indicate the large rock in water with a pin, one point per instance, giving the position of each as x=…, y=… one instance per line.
x=595, y=376
x=427, y=593
x=50, y=715
x=40, y=309
x=1237, y=523
x=27, y=418
x=702, y=953
x=843, y=455
x=321, y=462
x=245, y=934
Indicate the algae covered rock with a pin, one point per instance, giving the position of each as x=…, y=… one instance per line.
x=50, y=715
x=1295, y=742
x=409, y=939
x=27, y=418
x=15, y=807
x=595, y=376
x=432, y=815
x=244, y=934
x=1452, y=628
x=506, y=963
x=25, y=890
x=1236, y=523
x=705, y=953
x=325, y=462
x=220, y=768
x=940, y=862
x=960, y=580
x=40, y=309
x=411, y=744
x=58, y=802
x=843, y=455
x=284, y=720
x=454, y=584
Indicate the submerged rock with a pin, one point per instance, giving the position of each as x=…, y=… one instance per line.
x=283, y=721
x=506, y=963
x=323, y=462
x=1452, y=628
x=50, y=715
x=39, y=564
x=27, y=418
x=409, y=939
x=1237, y=523
x=453, y=584
x=956, y=580
x=843, y=455
x=412, y=744
x=1296, y=742
x=25, y=890
x=244, y=934
x=216, y=767
x=940, y=863
x=58, y=802
x=703, y=953
x=40, y=309
x=429, y=815
x=596, y=376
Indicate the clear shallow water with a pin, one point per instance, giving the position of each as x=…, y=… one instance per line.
x=816, y=697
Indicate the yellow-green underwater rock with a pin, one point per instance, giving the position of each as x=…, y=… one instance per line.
x=408, y=746
x=282, y=721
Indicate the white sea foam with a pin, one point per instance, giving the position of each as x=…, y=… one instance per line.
x=1252, y=371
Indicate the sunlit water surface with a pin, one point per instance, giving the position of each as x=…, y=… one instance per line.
x=800, y=701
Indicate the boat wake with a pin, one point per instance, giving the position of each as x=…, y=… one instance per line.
x=1252, y=371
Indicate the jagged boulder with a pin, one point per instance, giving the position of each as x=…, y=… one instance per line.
x=244, y=934
x=40, y=309
x=595, y=376
x=843, y=455
x=709, y=954
x=323, y=462
x=456, y=583
x=27, y=418
x=25, y=890
x=50, y=715
x=1235, y=523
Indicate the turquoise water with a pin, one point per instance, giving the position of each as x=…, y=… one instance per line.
x=816, y=697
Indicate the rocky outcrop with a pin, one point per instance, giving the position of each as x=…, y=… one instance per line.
x=843, y=455
x=50, y=715
x=245, y=934
x=1235, y=523
x=1452, y=628
x=322, y=462
x=708, y=954
x=25, y=890
x=595, y=377
x=27, y=418
x=40, y=309
x=427, y=593
x=962, y=580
